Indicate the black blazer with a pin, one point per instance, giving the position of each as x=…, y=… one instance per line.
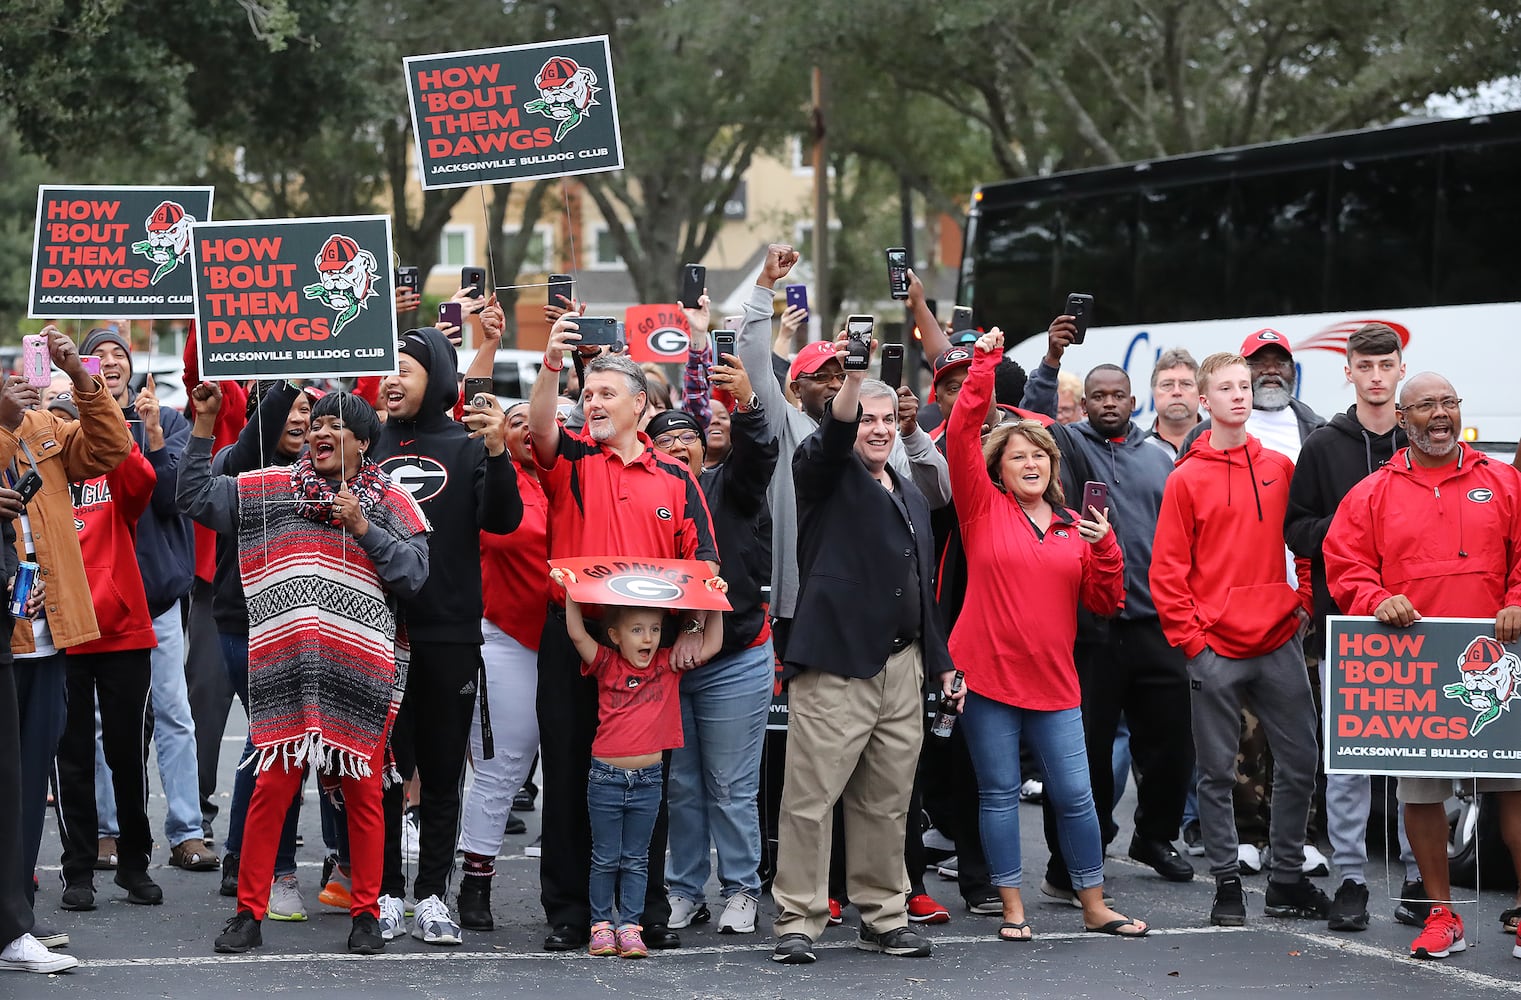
x=851, y=541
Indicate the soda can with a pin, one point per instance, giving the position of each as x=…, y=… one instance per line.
x=36, y=365
x=21, y=590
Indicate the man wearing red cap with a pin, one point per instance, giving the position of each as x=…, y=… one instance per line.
x=1278, y=420
x=1435, y=532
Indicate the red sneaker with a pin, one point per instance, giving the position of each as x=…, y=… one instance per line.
x=836, y=915
x=922, y=909
x=1442, y=936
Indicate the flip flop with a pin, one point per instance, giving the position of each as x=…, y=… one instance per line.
x=1113, y=927
x=1510, y=918
x=1008, y=925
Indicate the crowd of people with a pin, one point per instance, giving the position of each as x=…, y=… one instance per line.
x=1066, y=580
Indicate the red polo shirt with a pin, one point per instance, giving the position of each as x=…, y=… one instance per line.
x=651, y=507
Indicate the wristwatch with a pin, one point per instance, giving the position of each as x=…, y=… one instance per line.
x=693, y=626
x=753, y=403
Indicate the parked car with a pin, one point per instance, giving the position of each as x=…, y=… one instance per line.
x=168, y=377
x=512, y=375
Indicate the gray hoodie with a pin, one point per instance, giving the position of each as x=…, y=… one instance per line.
x=1136, y=473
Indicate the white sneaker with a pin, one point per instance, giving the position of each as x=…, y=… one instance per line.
x=410, y=836
x=1032, y=790
x=738, y=916
x=686, y=912
x=432, y=923
x=535, y=849
x=285, y=902
x=934, y=840
x=1315, y=863
x=949, y=869
x=393, y=918
x=1249, y=859
x=26, y=954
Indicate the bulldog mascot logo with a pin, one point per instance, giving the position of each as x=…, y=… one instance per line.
x=348, y=279
x=168, y=241
x=567, y=93
x=1491, y=680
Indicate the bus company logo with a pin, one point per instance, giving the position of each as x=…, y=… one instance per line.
x=421, y=476
x=1481, y=495
x=1491, y=680
x=346, y=279
x=1333, y=338
x=168, y=242
x=669, y=340
x=639, y=587
x=567, y=93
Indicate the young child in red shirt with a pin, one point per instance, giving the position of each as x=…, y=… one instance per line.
x=639, y=718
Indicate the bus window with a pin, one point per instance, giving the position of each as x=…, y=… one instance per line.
x=1015, y=255
x=1479, y=256
x=1098, y=255
x=1382, y=246
x=1182, y=254
x=1278, y=258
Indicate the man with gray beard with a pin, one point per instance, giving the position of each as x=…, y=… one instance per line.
x=1278, y=420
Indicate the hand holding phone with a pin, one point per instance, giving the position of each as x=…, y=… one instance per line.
x=797, y=297
x=479, y=387
x=723, y=343
x=1080, y=308
x=473, y=278
x=694, y=279
x=597, y=331
x=451, y=313
x=1096, y=496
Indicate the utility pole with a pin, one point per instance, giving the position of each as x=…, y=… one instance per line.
x=819, y=300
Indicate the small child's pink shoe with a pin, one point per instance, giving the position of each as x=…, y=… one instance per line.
x=631, y=942
x=603, y=942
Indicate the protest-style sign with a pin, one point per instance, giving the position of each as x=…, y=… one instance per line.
x=647, y=583
x=294, y=298
x=657, y=333
x=515, y=113
x=106, y=252
x=1440, y=698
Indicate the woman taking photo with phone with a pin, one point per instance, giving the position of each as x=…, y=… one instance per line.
x=1015, y=646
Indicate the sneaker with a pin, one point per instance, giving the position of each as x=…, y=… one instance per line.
x=1193, y=840
x=535, y=849
x=1032, y=790
x=78, y=896
x=630, y=944
x=285, y=902
x=194, y=856
x=337, y=890
x=934, y=840
x=410, y=835
x=432, y=923
x=836, y=913
x=1230, y=903
x=985, y=903
x=26, y=954
x=1414, y=907
x=922, y=909
x=474, y=901
x=603, y=943
x=1301, y=899
x=1349, y=910
x=106, y=857
x=686, y=912
x=523, y=801
x=738, y=916
x=902, y=941
x=393, y=918
x=230, y=864
x=141, y=889
x=1315, y=864
x=1249, y=859
x=515, y=826
x=365, y=937
x=50, y=937
x=1442, y=936
x=794, y=949
x=240, y=934
x=948, y=869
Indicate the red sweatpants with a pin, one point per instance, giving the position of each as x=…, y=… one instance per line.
x=272, y=796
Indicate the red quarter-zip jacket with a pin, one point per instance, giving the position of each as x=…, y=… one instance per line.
x=106, y=510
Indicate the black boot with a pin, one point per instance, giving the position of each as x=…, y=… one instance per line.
x=475, y=903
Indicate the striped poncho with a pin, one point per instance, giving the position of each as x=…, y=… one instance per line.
x=327, y=663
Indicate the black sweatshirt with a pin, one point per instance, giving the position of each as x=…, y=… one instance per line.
x=461, y=490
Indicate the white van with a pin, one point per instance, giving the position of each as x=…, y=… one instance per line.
x=513, y=373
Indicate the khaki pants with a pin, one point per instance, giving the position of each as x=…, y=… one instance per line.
x=855, y=740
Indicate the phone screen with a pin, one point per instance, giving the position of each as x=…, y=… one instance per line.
x=897, y=272
x=858, y=352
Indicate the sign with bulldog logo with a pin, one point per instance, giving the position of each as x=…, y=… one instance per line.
x=110, y=252
x=294, y=298
x=515, y=113
x=657, y=333
x=1440, y=698
x=648, y=583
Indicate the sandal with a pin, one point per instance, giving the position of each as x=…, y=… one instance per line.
x=1114, y=927
x=1511, y=919
x=1009, y=925
x=194, y=856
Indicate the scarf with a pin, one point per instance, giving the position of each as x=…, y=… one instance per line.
x=327, y=659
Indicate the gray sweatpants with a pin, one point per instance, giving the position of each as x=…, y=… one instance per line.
x=1277, y=689
x=1349, y=803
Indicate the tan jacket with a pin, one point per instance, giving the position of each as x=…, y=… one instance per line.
x=66, y=451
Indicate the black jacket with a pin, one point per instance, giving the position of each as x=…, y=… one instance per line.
x=1332, y=460
x=850, y=545
x=460, y=489
x=736, y=492
x=1307, y=418
x=165, y=537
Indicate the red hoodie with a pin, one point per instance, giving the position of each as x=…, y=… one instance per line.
x=1449, y=538
x=1217, y=562
x=106, y=510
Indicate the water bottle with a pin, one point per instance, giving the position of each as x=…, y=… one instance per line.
x=945, y=714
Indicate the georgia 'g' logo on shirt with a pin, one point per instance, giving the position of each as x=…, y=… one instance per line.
x=421, y=476
x=664, y=513
x=1481, y=495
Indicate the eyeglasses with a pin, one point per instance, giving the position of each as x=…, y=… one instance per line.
x=1186, y=385
x=824, y=378
x=1425, y=406
x=687, y=438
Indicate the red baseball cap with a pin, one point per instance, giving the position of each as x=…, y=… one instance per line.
x=811, y=358
x=1481, y=654
x=948, y=361
x=1265, y=338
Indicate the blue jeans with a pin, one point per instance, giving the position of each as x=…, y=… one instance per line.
x=621, y=806
x=993, y=732
x=173, y=740
x=715, y=777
